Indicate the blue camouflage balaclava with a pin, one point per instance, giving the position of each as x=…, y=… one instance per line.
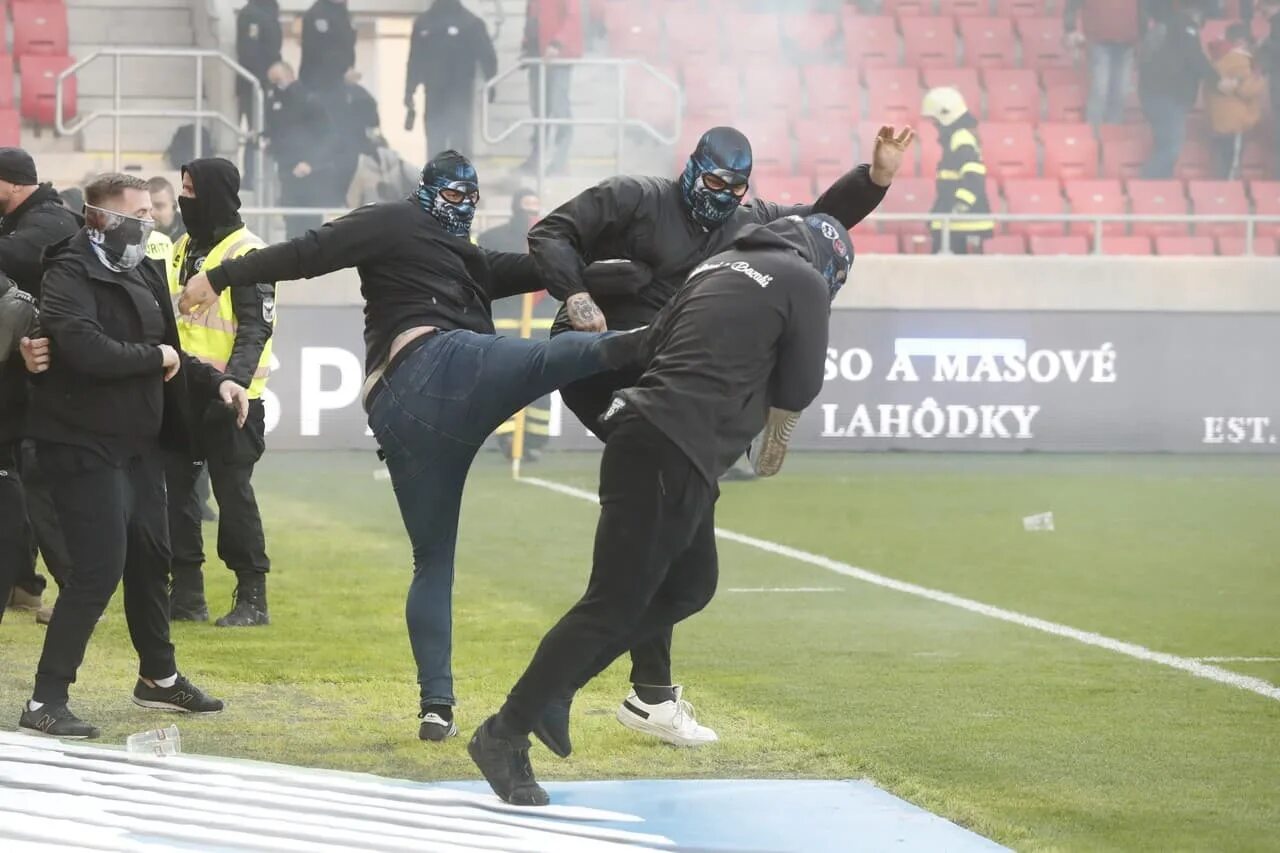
x=724, y=154
x=449, y=191
x=830, y=249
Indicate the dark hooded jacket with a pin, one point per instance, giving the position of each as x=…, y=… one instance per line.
x=17, y=320
x=258, y=40
x=104, y=391
x=748, y=331
x=645, y=219
x=328, y=46
x=512, y=235
x=448, y=46
x=212, y=216
x=38, y=223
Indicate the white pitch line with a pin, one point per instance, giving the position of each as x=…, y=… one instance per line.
x=1238, y=660
x=784, y=589
x=1188, y=665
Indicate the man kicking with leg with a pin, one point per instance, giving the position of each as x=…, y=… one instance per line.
x=737, y=354
x=668, y=226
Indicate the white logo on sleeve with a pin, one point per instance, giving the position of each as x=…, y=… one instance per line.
x=614, y=408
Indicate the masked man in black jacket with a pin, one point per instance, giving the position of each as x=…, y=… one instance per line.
x=737, y=355
x=439, y=380
x=669, y=227
x=110, y=404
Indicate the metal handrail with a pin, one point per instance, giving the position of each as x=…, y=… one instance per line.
x=541, y=123
x=1250, y=222
x=199, y=114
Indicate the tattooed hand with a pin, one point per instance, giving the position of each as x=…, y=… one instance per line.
x=584, y=314
x=770, y=446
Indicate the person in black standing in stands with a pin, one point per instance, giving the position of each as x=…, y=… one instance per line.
x=109, y=405
x=302, y=138
x=34, y=218
x=328, y=46
x=731, y=361
x=258, y=40
x=449, y=44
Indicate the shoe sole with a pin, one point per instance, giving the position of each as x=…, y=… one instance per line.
x=151, y=705
x=453, y=732
x=665, y=735
x=38, y=733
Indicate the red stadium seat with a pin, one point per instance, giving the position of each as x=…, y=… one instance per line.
x=770, y=143
x=1219, y=198
x=1257, y=160
x=1051, y=244
x=757, y=38
x=963, y=79
x=870, y=243
x=930, y=152
x=1020, y=8
x=1042, y=43
x=783, y=189
x=776, y=89
x=1054, y=76
x=1185, y=246
x=1034, y=196
x=1126, y=246
x=928, y=42
x=633, y=30
x=822, y=144
x=1009, y=150
x=832, y=94
x=810, y=33
x=1067, y=101
x=908, y=7
x=1266, y=202
x=39, y=76
x=988, y=42
x=689, y=40
x=1005, y=244
x=1123, y=156
x=894, y=95
x=1266, y=247
x=1102, y=198
x=10, y=128
x=1158, y=198
x=964, y=8
x=1013, y=94
x=910, y=195
x=1196, y=162
x=651, y=101
x=1070, y=151
x=39, y=28
x=870, y=42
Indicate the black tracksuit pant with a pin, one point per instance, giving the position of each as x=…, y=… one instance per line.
x=16, y=559
x=46, y=533
x=113, y=517
x=654, y=564
x=588, y=399
x=242, y=545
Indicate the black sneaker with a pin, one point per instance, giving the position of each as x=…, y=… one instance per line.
x=437, y=724
x=183, y=697
x=56, y=721
x=505, y=765
x=553, y=727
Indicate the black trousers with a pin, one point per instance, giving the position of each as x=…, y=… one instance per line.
x=588, y=399
x=47, y=535
x=114, y=520
x=449, y=123
x=230, y=462
x=16, y=558
x=654, y=564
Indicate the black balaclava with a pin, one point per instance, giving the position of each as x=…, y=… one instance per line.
x=518, y=213
x=449, y=170
x=725, y=153
x=215, y=211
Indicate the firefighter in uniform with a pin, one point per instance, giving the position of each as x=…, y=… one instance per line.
x=962, y=176
x=234, y=337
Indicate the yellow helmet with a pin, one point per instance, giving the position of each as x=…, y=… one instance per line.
x=944, y=105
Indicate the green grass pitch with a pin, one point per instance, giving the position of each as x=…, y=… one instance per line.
x=1037, y=741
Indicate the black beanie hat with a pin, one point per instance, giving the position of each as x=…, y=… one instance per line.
x=17, y=167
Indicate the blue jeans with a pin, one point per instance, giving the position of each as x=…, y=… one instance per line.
x=432, y=414
x=1110, y=69
x=1168, y=120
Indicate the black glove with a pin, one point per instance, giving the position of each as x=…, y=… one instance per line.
x=409, y=118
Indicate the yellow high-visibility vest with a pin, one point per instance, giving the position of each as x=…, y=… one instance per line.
x=212, y=337
x=160, y=248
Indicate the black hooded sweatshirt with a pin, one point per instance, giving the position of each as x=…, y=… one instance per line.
x=36, y=224
x=748, y=331
x=211, y=217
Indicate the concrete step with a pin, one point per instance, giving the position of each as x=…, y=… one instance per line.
x=127, y=27
x=146, y=135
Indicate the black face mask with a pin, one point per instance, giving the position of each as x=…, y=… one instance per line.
x=122, y=244
x=192, y=215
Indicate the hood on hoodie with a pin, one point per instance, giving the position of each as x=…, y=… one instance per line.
x=215, y=211
x=818, y=238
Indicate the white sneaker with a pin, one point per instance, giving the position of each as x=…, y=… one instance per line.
x=671, y=721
